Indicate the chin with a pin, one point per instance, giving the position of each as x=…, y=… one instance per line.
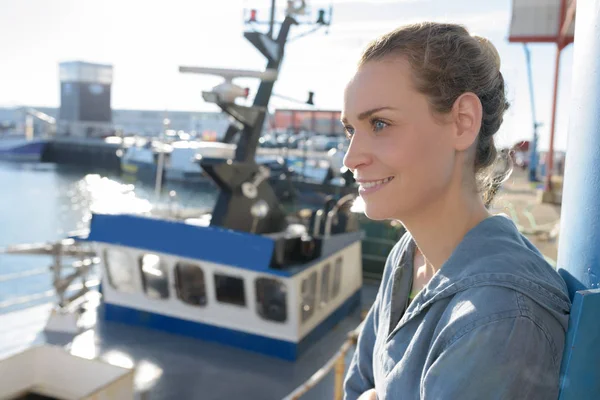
x=384, y=208
x=377, y=213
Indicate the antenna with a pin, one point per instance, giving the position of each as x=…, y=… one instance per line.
x=227, y=92
x=241, y=181
x=269, y=75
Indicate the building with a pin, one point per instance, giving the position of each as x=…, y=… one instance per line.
x=126, y=122
x=150, y=123
x=85, y=95
x=85, y=111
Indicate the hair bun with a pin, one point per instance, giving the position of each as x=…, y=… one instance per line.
x=489, y=49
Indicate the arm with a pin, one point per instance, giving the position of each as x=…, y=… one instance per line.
x=360, y=372
x=509, y=358
x=359, y=378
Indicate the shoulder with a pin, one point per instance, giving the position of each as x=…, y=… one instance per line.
x=477, y=306
x=482, y=308
x=510, y=356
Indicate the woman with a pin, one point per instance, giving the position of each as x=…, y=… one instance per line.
x=467, y=308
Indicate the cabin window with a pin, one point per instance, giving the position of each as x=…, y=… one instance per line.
x=155, y=280
x=271, y=299
x=325, y=282
x=309, y=293
x=337, y=278
x=190, y=284
x=120, y=270
x=230, y=289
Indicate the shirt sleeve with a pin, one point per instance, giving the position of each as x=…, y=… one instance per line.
x=359, y=378
x=509, y=358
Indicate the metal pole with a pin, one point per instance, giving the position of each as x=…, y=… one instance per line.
x=550, y=156
x=533, y=159
x=57, y=269
x=578, y=251
x=272, y=21
x=161, y=161
x=340, y=368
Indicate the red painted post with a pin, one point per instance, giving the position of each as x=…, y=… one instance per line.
x=550, y=156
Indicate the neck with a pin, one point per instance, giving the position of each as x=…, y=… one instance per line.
x=440, y=226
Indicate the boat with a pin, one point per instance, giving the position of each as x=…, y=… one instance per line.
x=247, y=300
x=20, y=148
x=176, y=159
x=180, y=160
x=29, y=143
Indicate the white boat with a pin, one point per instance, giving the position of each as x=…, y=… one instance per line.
x=259, y=297
x=180, y=159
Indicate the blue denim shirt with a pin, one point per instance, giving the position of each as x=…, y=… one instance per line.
x=490, y=324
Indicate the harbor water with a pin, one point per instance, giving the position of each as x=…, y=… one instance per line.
x=46, y=202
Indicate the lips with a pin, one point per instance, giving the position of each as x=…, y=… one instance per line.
x=371, y=184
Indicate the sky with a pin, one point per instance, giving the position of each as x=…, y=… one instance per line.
x=147, y=41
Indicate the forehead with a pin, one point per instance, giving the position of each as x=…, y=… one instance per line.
x=378, y=84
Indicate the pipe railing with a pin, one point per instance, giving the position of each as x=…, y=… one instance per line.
x=62, y=283
x=337, y=363
x=333, y=212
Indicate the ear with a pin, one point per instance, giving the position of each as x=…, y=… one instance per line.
x=467, y=113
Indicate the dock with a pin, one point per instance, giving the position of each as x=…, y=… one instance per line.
x=539, y=222
x=93, y=153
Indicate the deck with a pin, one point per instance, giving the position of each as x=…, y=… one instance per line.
x=170, y=366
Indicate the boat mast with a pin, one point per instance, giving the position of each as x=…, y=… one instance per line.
x=246, y=201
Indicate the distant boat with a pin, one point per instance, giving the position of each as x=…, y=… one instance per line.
x=179, y=159
x=19, y=148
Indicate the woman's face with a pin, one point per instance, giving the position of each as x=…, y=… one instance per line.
x=401, y=155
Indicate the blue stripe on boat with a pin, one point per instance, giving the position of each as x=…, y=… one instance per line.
x=26, y=151
x=269, y=346
x=211, y=244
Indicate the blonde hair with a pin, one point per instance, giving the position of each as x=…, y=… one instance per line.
x=447, y=61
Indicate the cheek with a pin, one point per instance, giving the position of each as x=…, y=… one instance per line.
x=420, y=158
x=409, y=152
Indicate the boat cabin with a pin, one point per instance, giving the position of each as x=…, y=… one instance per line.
x=227, y=286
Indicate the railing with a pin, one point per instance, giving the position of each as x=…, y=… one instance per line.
x=337, y=362
x=62, y=283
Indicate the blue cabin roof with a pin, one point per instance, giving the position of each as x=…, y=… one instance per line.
x=213, y=244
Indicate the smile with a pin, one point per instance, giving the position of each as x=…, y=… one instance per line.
x=372, y=186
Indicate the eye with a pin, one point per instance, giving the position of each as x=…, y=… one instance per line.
x=349, y=131
x=378, y=125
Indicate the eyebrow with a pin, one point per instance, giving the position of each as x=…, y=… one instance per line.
x=366, y=114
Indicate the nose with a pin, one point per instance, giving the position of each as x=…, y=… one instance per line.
x=359, y=152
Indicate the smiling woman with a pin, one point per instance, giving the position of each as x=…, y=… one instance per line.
x=467, y=305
